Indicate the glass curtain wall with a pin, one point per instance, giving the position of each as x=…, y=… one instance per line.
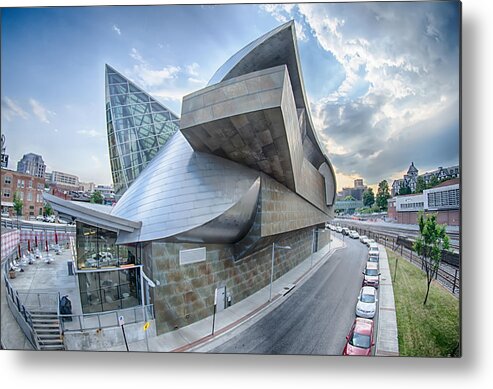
x=109, y=274
x=110, y=290
x=138, y=126
x=97, y=248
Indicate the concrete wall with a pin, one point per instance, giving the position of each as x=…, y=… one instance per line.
x=186, y=293
x=107, y=338
x=449, y=217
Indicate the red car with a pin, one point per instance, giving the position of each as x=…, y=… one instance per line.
x=360, y=339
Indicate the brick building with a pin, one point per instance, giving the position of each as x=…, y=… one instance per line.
x=29, y=189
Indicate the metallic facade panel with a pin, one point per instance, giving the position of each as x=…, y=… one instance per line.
x=180, y=190
x=259, y=55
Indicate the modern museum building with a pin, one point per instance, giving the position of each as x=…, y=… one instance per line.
x=203, y=198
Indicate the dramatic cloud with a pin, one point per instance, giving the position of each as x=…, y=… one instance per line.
x=398, y=100
x=10, y=110
x=40, y=112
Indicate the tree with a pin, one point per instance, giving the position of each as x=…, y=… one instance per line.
x=368, y=197
x=404, y=190
x=383, y=195
x=421, y=185
x=18, y=205
x=48, y=211
x=97, y=197
x=433, y=181
x=430, y=244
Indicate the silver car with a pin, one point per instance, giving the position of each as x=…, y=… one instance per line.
x=367, y=302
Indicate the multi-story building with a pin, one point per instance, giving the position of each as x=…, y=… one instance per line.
x=87, y=187
x=63, y=181
x=443, y=199
x=242, y=188
x=356, y=191
x=410, y=179
x=138, y=126
x=29, y=190
x=32, y=164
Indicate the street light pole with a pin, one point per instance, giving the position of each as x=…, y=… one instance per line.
x=271, y=272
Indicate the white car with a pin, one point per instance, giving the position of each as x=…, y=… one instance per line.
x=353, y=234
x=367, y=302
x=363, y=238
x=369, y=242
x=339, y=229
x=374, y=251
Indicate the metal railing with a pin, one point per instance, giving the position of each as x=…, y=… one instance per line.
x=99, y=320
x=27, y=225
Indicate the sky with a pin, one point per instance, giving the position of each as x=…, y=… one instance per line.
x=382, y=78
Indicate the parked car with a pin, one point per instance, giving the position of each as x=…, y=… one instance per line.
x=339, y=229
x=363, y=238
x=353, y=234
x=360, y=338
x=40, y=218
x=345, y=231
x=369, y=242
x=5, y=215
x=367, y=302
x=373, y=258
x=374, y=251
x=371, y=275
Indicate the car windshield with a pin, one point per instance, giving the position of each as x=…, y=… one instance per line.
x=371, y=272
x=372, y=259
x=359, y=340
x=368, y=298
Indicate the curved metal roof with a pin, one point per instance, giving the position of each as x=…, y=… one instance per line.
x=182, y=189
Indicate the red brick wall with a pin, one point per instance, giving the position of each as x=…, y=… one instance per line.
x=449, y=217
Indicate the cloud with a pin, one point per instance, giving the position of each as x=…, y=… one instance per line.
x=40, y=112
x=92, y=133
x=116, y=29
x=284, y=13
x=11, y=110
x=400, y=85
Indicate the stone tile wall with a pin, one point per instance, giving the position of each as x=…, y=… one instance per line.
x=185, y=293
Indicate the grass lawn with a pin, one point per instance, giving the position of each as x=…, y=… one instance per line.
x=430, y=330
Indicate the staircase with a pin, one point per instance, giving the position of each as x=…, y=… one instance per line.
x=46, y=327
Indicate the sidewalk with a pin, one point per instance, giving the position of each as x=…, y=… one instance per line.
x=387, y=343
x=198, y=337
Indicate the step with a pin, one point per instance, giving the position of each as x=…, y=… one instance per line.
x=49, y=341
x=52, y=347
x=45, y=326
x=50, y=336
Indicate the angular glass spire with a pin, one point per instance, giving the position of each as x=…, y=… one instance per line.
x=138, y=126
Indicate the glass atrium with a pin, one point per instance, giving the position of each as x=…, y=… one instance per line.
x=138, y=126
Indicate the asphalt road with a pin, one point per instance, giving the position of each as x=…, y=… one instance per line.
x=317, y=316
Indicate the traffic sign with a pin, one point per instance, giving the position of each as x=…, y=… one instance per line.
x=146, y=326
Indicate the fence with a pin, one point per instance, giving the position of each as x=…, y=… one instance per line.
x=92, y=321
x=448, y=276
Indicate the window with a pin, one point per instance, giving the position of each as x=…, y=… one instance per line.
x=7, y=179
x=6, y=193
x=38, y=198
x=30, y=184
x=20, y=184
x=41, y=186
x=21, y=195
x=29, y=196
